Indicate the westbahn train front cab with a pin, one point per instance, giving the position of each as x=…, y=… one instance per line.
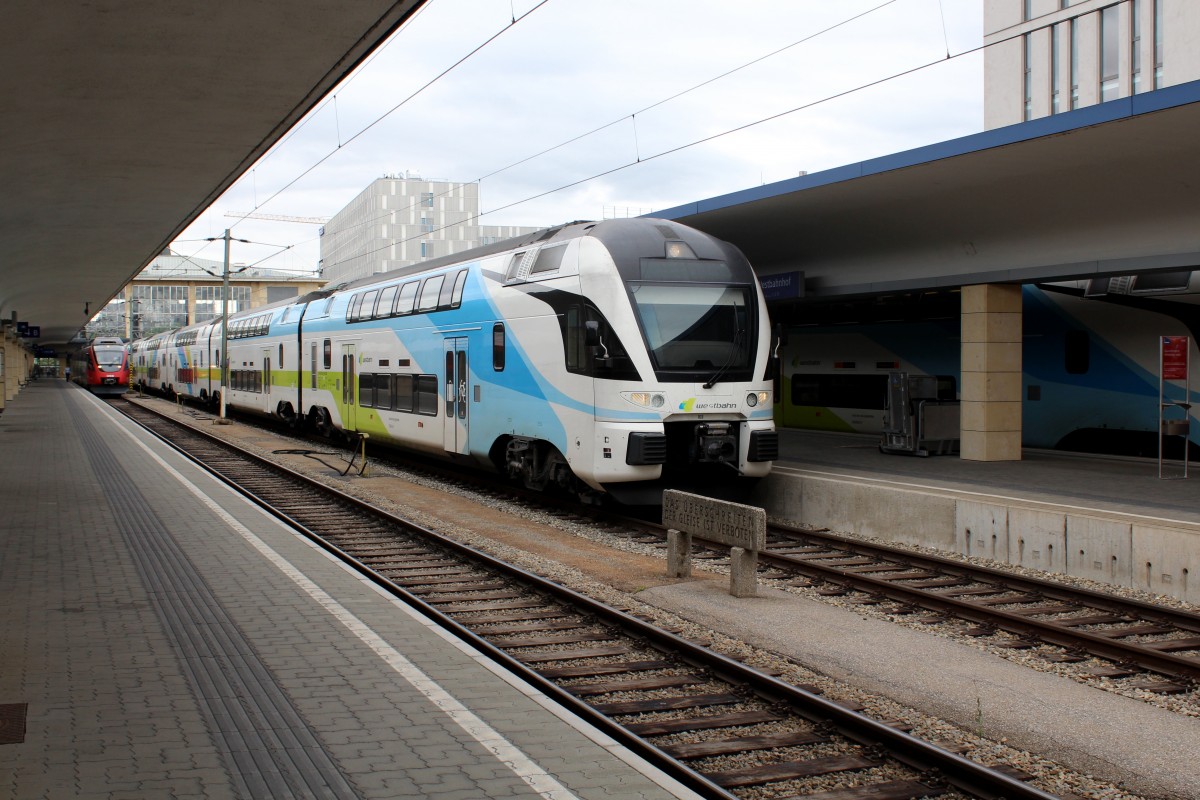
x=682, y=393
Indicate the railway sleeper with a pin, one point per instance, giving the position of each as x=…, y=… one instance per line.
x=892, y=790
x=742, y=744
x=788, y=770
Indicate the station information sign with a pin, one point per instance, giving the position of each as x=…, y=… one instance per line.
x=1174, y=358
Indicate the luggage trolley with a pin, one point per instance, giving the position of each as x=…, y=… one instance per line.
x=915, y=421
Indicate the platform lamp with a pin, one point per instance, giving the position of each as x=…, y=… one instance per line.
x=225, y=316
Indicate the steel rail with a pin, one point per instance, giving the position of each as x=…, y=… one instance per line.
x=1149, y=612
x=1179, y=667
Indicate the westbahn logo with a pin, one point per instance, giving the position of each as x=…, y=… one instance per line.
x=714, y=404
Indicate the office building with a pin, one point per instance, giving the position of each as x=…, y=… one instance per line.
x=401, y=220
x=1047, y=57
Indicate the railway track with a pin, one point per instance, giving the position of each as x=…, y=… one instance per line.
x=717, y=725
x=1135, y=637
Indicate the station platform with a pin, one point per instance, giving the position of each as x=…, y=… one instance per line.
x=162, y=637
x=1108, y=519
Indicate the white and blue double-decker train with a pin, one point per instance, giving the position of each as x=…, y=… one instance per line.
x=610, y=357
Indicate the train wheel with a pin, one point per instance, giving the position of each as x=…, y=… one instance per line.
x=322, y=423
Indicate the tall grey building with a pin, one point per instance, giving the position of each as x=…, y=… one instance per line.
x=1046, y=57
x=400, y=220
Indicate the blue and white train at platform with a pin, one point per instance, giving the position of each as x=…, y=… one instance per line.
x=605, y=358
x=1090, y=365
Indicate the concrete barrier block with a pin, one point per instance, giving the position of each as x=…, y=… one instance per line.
x=1037, y=539
x=981, y=529
x=1168, y=561
x=1100, y=549
x=887, y=513
x=781, y=495
x=679, y=554
x=743, y=572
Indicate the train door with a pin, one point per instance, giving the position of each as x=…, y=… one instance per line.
x=457, y=383
x=266, y=379
x=349, y=386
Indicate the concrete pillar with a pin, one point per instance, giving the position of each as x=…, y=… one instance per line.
x=3, y=370
x=16, y=364
x=991, y=373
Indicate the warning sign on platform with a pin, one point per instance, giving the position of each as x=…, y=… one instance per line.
x=1175, y=358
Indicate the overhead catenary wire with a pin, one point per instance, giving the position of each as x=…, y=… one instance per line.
x=644, y=159
x=639, y=158
x=632, y=117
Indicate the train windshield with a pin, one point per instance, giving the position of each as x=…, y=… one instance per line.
x=109, y=358
x=695, y=332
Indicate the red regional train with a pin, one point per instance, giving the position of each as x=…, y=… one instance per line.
x=102, y=366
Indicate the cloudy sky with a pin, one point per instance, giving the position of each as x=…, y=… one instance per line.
x=628, y=104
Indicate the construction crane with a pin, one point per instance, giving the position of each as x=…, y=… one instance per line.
x=277, y=217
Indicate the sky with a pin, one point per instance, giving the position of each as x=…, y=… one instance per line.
x=585, y=109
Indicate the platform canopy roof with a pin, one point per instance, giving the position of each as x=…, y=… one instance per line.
x=1111, y=189
x=124, y=120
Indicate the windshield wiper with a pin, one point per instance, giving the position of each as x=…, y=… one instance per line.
x=733, y=351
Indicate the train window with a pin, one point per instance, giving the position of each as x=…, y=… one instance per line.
x=328, y=354
x=462, y=378
x=367, y=307
x=841, y=390
x=383, y=390
x=575, y=339
x=1077, y=353
x=408, y=293
x=429, y=292
x=427, y=395
x=450, y=384
x=402, y=397
x=460, y=283
x=366, y=389
x=604, y=356
x=281, y=355
x=313, y=362
x=352, y=311
x=444, y=298
x=498, y=347
x=549, y=259
x=387, y=298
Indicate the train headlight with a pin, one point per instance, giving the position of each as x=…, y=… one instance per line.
x=756, y=398
x=645, y=399
x=677, y=249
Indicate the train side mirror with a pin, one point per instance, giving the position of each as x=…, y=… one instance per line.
x=591, y=333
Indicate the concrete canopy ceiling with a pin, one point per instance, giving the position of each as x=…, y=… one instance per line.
x=1110, y=189
x=124, y=119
